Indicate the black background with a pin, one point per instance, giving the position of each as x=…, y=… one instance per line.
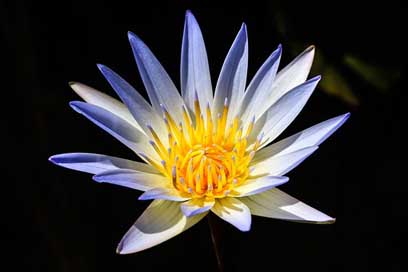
x=59, y=220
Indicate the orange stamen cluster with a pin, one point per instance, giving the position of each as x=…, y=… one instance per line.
x=204, y=158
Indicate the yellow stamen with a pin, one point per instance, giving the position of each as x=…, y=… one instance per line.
x=204, y=157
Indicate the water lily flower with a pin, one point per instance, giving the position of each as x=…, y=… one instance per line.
x=204, y=151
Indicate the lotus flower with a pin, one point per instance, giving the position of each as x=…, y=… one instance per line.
x=204, y=151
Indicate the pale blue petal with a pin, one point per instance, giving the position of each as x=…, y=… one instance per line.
x=160, y=88
x=97, y=163
x=314, y=135
x=283, y=163
x=97, y=98
x=232, y=79
x=137, y=180
x=195, y=74
x=260, y=87
x=281, y=114
x=292, y=75
x=259, y=185
x=141, y=110
x=163, y=193
x=117, y=127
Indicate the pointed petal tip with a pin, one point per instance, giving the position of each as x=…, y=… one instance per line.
x=78, y=106
x=277, y=53
x=132, y=36
x=124, y=249
x=97, y=178
x=310, y=48
x=346, y=116
x=339, y=121
x=75, y=105
x=78, y=87
x=328, y=221
x=189, y=14
x=243, y=31
x=144, y=197
x=316, y=78
x=53, y=159
x=100, y=66
x=243, y=226
x=312, y=81
x=105, y=70
x=246, y=227
x=136, y=43
x=118, y=251
x=342, y=119
x=101, y=177
x=121, y=250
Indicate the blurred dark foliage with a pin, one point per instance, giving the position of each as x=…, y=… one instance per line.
x=59, y=220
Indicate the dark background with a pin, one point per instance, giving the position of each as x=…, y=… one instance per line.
x=59, y=220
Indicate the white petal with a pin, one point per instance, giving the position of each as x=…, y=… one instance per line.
x=283, y=112
x=196, y=206
x=260, y=87
x=161, y=221
x=97, y=163
x=289, y=77
x=163, y=193
x=277, y=204
x=259, y=185
x=132, y=179
x=232, y=79
x=314, y=135
x=195, y=74
x=234, y=212
x=281, y=164
x=160, y=88
x=97, y=98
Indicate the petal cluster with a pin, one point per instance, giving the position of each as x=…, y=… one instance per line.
x=204, y=150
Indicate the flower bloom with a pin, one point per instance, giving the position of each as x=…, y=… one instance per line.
x=204, y=151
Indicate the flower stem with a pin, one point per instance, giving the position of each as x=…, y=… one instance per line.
x=215, y=235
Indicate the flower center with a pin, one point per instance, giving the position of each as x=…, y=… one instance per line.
x=204, y=157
